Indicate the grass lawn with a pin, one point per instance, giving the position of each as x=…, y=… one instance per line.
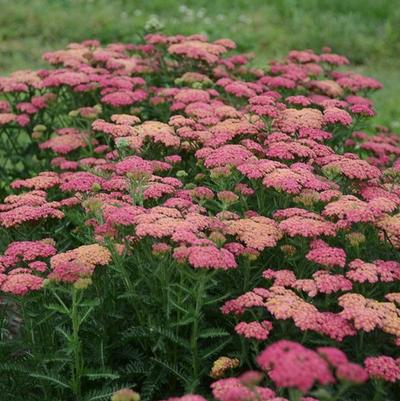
x=364, y=30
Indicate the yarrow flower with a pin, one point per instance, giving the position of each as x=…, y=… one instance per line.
x=351, y=372
x=255, y=330
x=67, y=141
x=289, y=364
x=291, y=120
x=26, y=214
x=124, y=98
x=334, y=115
x=222, y=365
x=382, y=368
x=233, y=389
x=350, y=167
x=256, y=232
x=187, y=397
x=80, y=262
x=306, y=224
x=125, y=394
x=20, y=283
x=225, y=155
x=206, y=257
x=325, y=255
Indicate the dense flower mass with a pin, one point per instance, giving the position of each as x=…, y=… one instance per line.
x=216, y=229
x=291, y=365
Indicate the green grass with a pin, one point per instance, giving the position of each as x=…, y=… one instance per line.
x=364, y=30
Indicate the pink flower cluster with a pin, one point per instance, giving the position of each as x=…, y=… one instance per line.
x=25, y=265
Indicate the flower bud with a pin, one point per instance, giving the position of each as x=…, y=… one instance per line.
x=121, y=143
x=331, y=172
x=222, y=365
x=227, y=197
x=96, y=187
x=40, y=128
x=199, y=177
x=125, y=394
x=288, y=250
x=73, y=113
x=36, y=135
x=217, y=237
x=181, y=174
x=355, y=239
x=83, y=283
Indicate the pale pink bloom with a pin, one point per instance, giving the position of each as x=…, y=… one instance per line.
x=289, y=364
x=351, y=372
x=254, y=330
x=382, y=368
x=325, y=255
x=21, y=283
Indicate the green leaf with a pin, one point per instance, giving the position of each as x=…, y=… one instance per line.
x=87, y=313
x=64, y=333
x=210, y=351
x=102, y=375
x=53, y=379
x=213, y=332
x=170, y=335
x=178, y=372
x=135, y=367
x=57, y=308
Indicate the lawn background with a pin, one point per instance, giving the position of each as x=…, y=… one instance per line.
x=367, y=31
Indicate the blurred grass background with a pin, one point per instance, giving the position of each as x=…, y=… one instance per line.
x=367, y=31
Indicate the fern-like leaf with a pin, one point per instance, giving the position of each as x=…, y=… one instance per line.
x=213, y=333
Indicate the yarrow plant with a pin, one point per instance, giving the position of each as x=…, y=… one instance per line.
x=178, y=225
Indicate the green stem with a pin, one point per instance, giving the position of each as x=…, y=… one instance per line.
x=199, y=294
x=378, y=385
x=246, y=278
x=77, y=365
x=342, y=389
x=294, y=394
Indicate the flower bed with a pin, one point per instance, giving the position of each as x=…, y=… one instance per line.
x=175, y=222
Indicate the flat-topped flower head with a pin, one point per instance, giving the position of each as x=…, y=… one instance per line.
x=350, y=167
x=292, y=120
x=326, y=255
x=307, y=225
x=134, y=166
x=223, y=365
x=27, y=251
x=232, y=389
x=352, y=209
x=125, y=394
x=198, y=50
x=351, y=373
x=23, y=214
x=289, y=364
x=390, y=229
x=254, y=330
x=20, y=283
x=124, y=98
x=295, y=179
x=67, y=142
x=43, y=181
x=256, y=232
x=227, y=155
x=207, y=257
x=79, y=181
x=187, y=397
x=79, y=262
x=382, y=368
